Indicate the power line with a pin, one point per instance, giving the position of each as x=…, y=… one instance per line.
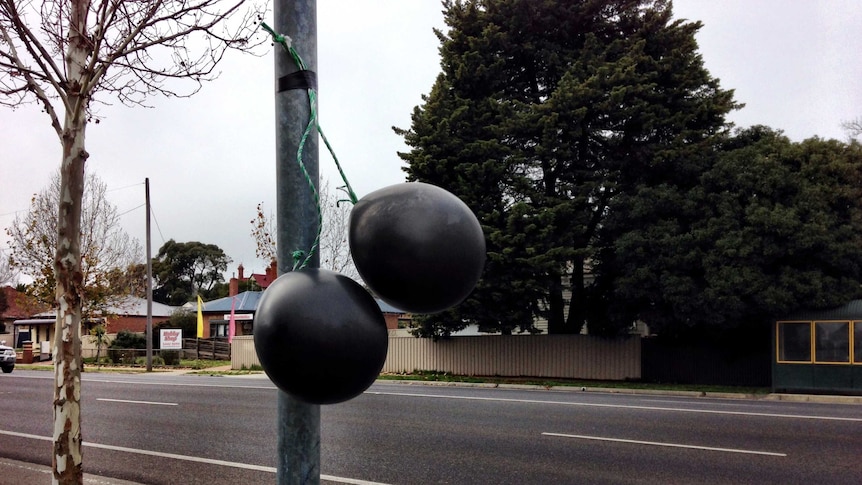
x=153, y=213
x=126, y=187
x=130, y=210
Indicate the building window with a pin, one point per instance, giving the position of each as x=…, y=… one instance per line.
x=832, y=342
x=218, y=330
x=794, y=341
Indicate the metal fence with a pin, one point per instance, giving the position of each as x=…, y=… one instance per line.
x=553, y=356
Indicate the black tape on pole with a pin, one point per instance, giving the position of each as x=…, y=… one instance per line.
x=297, y=80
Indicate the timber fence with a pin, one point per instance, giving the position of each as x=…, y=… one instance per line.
x=552, y=356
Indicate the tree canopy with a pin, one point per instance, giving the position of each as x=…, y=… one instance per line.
x=591, y=143
x=184, y=270
x=771, y=227
x=107, y=251
x=545, y=112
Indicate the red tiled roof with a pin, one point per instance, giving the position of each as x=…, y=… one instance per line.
x=19, y=305
x=262, y=280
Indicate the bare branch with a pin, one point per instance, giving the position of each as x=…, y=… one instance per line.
x=853, y=127
x=30, y=83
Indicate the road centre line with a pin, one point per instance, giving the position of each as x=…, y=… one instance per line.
x=138, y=402
x=668, y=445
x=195, y=459
x=617, y=406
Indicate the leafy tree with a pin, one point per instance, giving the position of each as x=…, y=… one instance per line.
x=60, y=55
x=773, y=227
x=183, y=319
x=99, y=336
x=184, y=270
x=105, y=247
x=131, y=280
x=545, y=113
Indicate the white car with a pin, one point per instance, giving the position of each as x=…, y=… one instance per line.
x=7, y=357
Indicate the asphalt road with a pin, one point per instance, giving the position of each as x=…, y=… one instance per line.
x=163, y=429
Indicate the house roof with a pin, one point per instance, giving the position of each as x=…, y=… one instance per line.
x=19, y=304
x=387, y=308
x=262, y=280
x=130, y=306
x=247, y=301
x=850, y=311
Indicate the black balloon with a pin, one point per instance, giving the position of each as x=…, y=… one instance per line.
x=320, y=336
x=417, y=246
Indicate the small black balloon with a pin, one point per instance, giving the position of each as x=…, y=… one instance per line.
x=320, y=336
x=417, y=246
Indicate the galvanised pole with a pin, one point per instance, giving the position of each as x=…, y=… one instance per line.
x=296, y=216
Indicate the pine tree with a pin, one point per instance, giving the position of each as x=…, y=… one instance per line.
x=544, y=115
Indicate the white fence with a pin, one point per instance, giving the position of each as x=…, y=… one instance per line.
x=554, y=356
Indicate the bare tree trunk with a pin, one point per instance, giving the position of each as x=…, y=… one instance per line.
x=67, y=458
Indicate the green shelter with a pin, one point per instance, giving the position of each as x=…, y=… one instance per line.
x=819, y=351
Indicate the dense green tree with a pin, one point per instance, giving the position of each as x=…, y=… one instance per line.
x=183, y=319
x=544, y=114
x=184, y=270
x=772, y=227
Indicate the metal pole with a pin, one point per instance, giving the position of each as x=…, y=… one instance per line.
x=296, y=219
x=149, y=282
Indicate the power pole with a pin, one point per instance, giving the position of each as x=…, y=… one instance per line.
x=296, y=216
x=149, y=282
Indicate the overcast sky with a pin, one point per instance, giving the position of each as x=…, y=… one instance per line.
x=211, y=158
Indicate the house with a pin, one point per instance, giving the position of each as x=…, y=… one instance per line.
x=819, y=351
x=18, y=305
x=130, y=314
x=216, y=313
x=261, y=280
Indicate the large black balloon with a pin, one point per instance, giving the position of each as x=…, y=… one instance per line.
x=320, y=336
x=417, y=246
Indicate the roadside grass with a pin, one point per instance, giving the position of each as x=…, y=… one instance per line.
x=206, y=367
x=194, y=364
x=432, y=376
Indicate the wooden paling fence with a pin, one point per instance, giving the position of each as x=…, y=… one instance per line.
x=206, y=349
x=553, y=356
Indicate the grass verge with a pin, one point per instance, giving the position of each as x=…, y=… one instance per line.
x=429, y=376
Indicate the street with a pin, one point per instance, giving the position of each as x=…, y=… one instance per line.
x=168, y=429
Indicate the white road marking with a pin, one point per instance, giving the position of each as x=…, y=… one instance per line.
x=138, y=402
x=616, y=406
x=669, y=445
x=195, y=459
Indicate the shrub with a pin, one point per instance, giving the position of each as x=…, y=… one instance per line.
x=170, y=357
x=129, y=340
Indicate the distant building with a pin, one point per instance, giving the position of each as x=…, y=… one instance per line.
x=130, y=314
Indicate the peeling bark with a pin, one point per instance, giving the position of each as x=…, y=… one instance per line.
x=67, y=458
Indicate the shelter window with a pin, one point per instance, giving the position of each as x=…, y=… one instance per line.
x=794, y=342
x=832, y=342
x=857, y=342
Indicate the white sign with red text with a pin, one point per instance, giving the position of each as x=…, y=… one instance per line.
x=171, y=338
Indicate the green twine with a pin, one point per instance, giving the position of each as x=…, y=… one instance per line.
x=298, y=261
